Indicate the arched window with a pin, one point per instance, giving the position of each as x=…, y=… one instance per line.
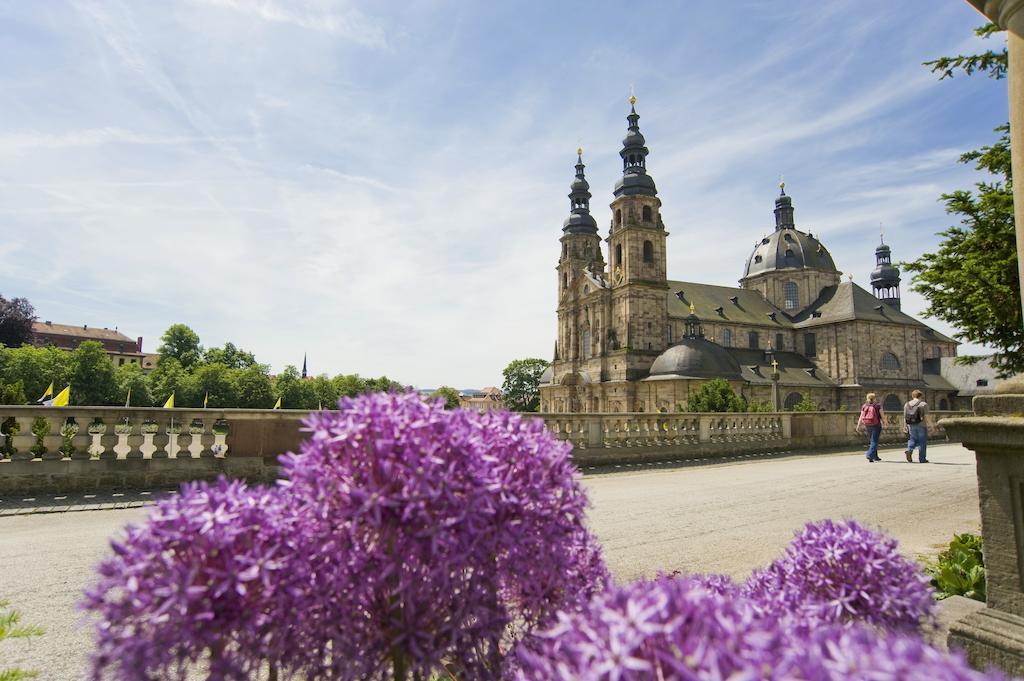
x=892, y=404
x=889, y=362
x=648, y=251
x=668, y=334
x=752, y=340
x=565, y=250
x=618, y=216
x=586, y=342
x=618, y=254
x=779, y=342
x=727, y=338
x=791, y=293
x=565, y=280
x=793, y=399
x=647, y=214
x=943, y=404
x=789, y=253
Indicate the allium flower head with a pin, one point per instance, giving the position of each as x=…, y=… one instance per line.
x=844, y=573
x=206, y=575
x=439, y=531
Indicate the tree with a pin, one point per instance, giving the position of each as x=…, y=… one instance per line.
x=130, y=377
x=169, y=377
x=294, y=392
x=806, y=404
x=16, y=318
x=349, y=385
x=972, y=280
x=716, y=396
x=324, y=391
x=181, y=343
x=216, y=382
x=92, y=375
x=255, y=389
x=12, y=393
x=521, y=389
x=449, y=395
x=230, y=356
x=36, y=368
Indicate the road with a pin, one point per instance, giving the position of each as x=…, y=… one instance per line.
x=724, y=517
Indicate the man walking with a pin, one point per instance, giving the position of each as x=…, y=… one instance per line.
x=914, y=412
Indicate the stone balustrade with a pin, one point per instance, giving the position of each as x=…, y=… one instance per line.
x=76, y=449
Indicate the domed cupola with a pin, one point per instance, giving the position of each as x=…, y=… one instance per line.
x=634, y=180
x=787, y=247
x=580, y=221
x=694, y=356
x=885, y=278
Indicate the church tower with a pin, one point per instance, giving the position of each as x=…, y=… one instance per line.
x=885, y=279
x=581, y=252
x=636, y=254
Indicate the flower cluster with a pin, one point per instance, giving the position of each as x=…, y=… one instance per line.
x=682, y=628
x=445, y=530
x=841, y=573
x=207, y=576
x=402, y=539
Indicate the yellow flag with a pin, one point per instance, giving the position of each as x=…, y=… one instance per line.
x=278, y=405
x=48, y=393
x=169, y=404
x=205, y=400
x=128, y=400
x=63, y=398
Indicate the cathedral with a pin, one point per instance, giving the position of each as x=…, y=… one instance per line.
x=632, y=340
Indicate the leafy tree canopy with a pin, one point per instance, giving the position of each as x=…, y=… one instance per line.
x=181, y=343
x=230, y=356
x=16, y=317
x=448, y=394
x=521, y=389
x=716, y=396
x=972, y=280
x=92, y=375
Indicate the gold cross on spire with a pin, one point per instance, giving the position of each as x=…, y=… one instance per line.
x=775, y=365
x=632, y=96
x=693, y=308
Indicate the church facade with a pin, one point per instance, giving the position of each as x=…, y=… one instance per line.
x=632, y=340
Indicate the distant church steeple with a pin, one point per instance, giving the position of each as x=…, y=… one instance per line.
x=635, y=180
x=580, y=221
x=885, y=279
x=783, y=209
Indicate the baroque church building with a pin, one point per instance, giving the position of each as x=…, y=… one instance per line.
x=632, y=340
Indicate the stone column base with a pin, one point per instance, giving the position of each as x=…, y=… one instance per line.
x=991, y=638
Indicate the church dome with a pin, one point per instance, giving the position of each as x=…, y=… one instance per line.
x=696, y=357
x=789, y=248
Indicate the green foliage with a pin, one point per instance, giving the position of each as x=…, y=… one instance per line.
x=130, y=376
x=254, y=388
x=295, y=393
x=716, y=396
x=40, y=428
x=13, y=393
x=324, y=391
x=16, y=317
x=11, y=627
x=230, y=356
x=521, y=388
x=806, y=404
x=960, y=569
x=35, y=368
x=972, y=281
x=181, y=343
x=216, y=381
x=992, y=62
x=448, y=394
x=169, y=377
x=92, y=375
x=9, y=428
x=760, y=406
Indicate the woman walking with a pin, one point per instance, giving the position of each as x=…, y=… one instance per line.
x=871, y=416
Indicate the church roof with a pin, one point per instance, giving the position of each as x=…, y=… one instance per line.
x=848, y=302
x=749, y=308
x=788, y=248
x=794, y=368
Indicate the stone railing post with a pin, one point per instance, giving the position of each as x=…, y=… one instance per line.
x=595, y=432
x=995, y=634
x=705, y=429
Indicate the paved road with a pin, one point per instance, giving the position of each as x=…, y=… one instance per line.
x=725, y=517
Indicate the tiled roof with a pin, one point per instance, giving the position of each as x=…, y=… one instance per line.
x=794, y=368
x=85, y=332
x=750, y=307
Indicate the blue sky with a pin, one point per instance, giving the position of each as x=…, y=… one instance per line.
x=382, y=185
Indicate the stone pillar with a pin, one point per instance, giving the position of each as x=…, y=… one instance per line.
x=995, y=634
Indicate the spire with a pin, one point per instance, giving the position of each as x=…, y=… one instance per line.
x=635, y=179
x=885, y=278
x=580, y=221
x=304, y=365
x=783, y=209
x=694, y=329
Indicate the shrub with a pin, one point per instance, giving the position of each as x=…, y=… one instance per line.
x=11, y=627
x=960, y=569
x=40, y=428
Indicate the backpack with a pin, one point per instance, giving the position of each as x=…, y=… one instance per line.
x=869, y=414
x=912, y=414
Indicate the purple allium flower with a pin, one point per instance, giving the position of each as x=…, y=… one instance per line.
x=843, y=573
x=676, y=628
x=669, y=628
x=843, y=653
x=438, y=534
x=207, y=576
